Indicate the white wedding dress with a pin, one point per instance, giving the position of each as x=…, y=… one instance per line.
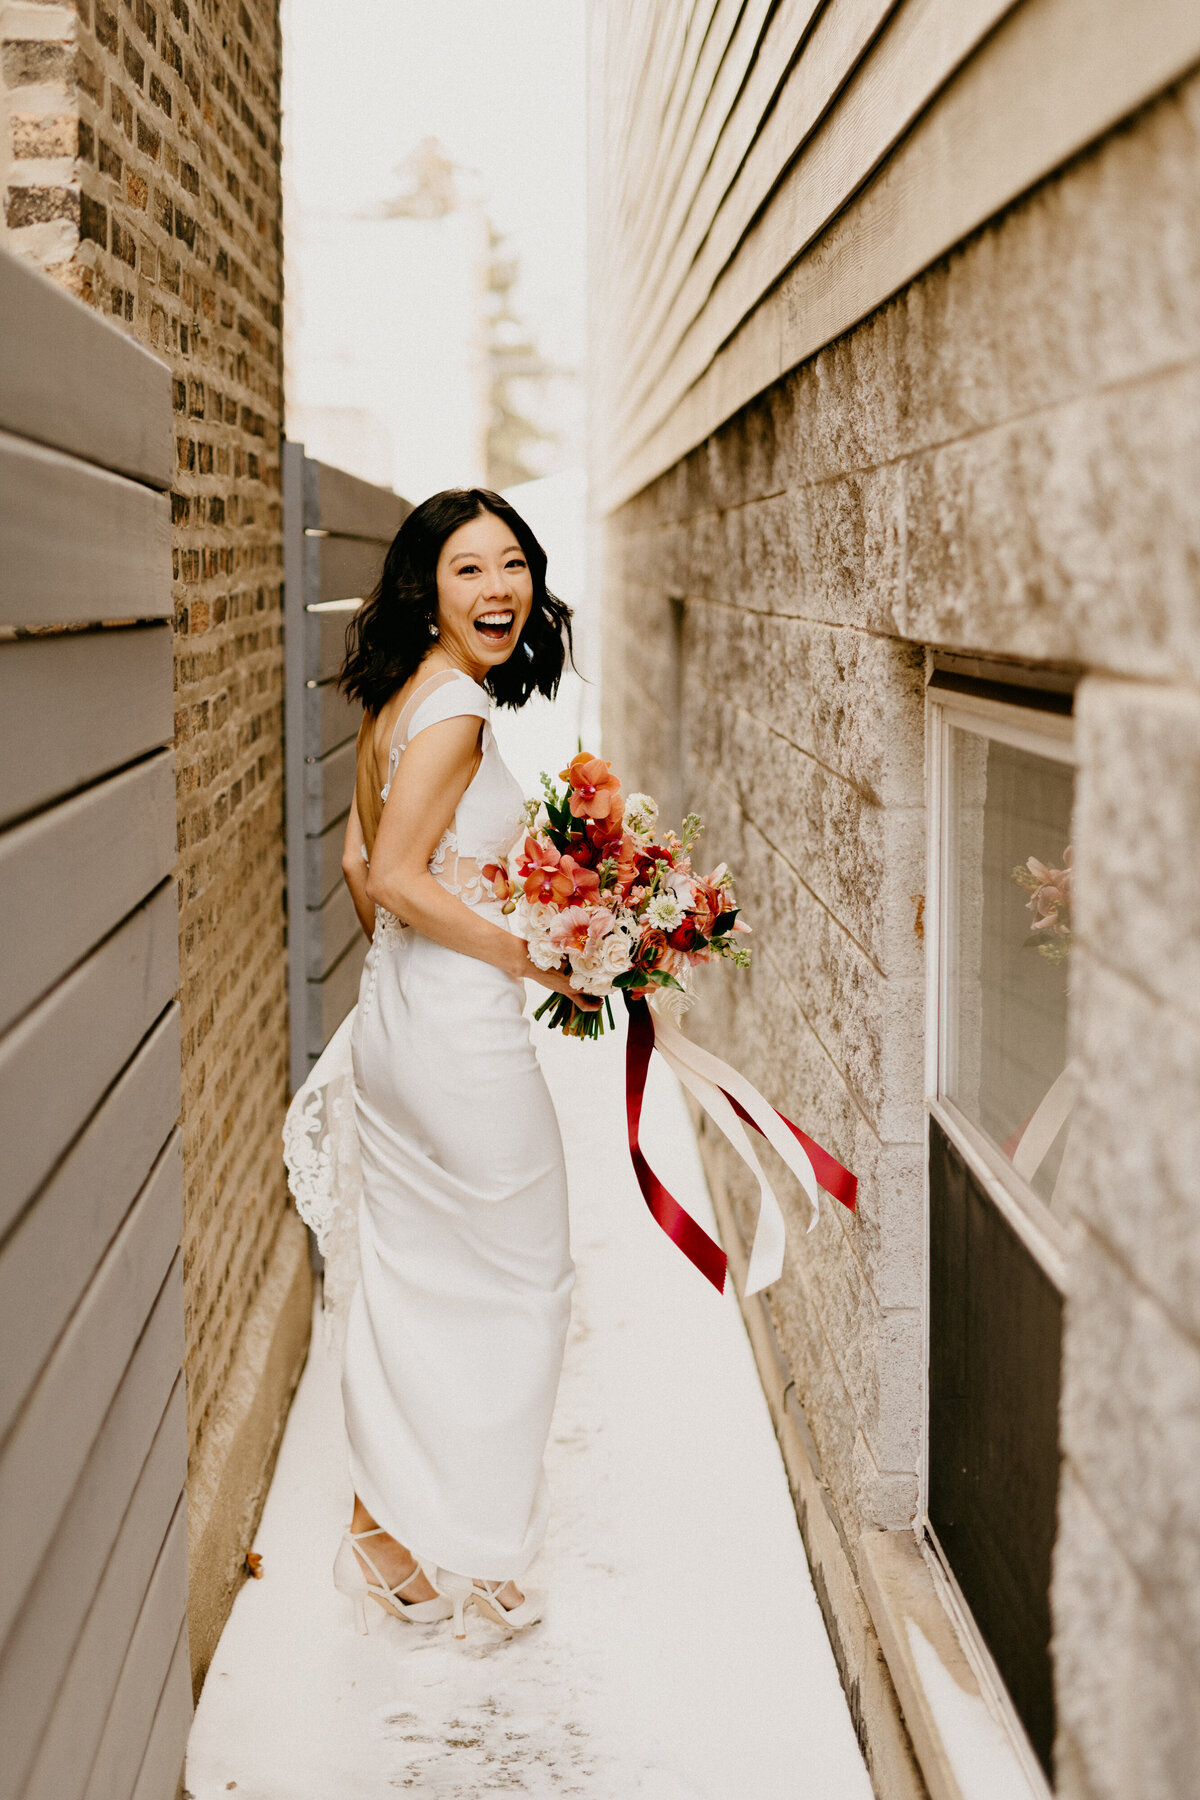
x=462, y=1280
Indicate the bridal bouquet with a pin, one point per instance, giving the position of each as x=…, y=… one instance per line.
x=604, y=896
x=601, y=895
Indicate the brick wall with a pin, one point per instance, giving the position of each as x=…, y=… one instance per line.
x=140, y=163
x=1004, y=459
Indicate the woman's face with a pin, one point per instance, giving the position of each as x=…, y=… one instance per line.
x=484, y=591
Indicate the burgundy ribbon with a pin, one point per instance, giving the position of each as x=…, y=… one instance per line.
x=664, y=1209
x=838, y=1182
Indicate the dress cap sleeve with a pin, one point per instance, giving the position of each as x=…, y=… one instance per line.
x=460, y=698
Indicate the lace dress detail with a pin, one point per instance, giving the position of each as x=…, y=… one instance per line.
x=320, y=1137
x=320, y=1148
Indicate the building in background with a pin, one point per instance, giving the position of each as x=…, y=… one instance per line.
x=896, y=345
x=386, y=343
x=434, y=237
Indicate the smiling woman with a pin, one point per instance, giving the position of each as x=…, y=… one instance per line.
x=457, y=555
x=455, y=1334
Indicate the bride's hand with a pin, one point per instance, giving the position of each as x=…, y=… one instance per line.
x=560, y=983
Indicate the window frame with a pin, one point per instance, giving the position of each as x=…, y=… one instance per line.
x=1046, y=734
x=1044, y=730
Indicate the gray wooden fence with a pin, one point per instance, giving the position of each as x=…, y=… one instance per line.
x=336, y=531
x=95, y=1690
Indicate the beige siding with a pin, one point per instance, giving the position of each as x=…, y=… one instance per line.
x=761, y=197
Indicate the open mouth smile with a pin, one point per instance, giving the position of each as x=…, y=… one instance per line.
x=495, y=627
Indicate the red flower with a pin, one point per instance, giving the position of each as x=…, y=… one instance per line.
x=687, y=936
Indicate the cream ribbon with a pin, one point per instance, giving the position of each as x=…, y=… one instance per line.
x=705, y=1075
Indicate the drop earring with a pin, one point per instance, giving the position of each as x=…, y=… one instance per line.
x=433, y=630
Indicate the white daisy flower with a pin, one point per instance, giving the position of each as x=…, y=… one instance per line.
x=664, y=912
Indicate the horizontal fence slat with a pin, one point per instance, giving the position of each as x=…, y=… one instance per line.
x=338, y=501
x=74, y=707
x=332, y=929
x=348, y=568
x=137, y=1429
x=329, y=718
x=59, y=1059
x=72, y=873
x=48, y=1260
x=151, y=1527
x=327, y=645
x=328, y=789
x=131, y=1712
x=48, y=1446
x=78, y=543
x=89, y=361
x=158, y=1777
x=334, y=997
x=323, y=860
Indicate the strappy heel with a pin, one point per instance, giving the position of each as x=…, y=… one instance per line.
x=349, y=1579
x=464, y=1593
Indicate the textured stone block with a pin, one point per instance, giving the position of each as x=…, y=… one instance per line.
x=1128, y=1699
x=1071, y=536
x=852, y=700
x=1131, y=1427
x=1137, y=837
x=887, y=1500
x=1134, y=1149
x=865, y=863
x=831, y=552
x=869, y=1025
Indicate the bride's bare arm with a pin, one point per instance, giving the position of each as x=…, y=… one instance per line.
x=354, y=871
x=432, y=778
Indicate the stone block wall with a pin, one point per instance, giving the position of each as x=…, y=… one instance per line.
x=139, y=154
x=1004, y=461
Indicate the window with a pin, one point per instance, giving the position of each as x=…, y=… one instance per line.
x=1000, y=1106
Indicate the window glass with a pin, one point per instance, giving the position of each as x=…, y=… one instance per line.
x=1008, y=950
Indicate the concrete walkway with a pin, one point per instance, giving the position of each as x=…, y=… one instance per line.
x=683, y=1657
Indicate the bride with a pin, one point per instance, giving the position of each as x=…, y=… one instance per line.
x=456, y=1329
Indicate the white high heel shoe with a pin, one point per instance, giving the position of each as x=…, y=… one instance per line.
x=465, y=1593
x=350, y=1579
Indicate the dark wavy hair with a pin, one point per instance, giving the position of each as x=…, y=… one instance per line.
x=391, y=632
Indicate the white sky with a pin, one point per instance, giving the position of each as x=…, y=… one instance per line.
x=501, y=84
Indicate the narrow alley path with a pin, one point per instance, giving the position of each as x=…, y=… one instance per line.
x=683, y=1657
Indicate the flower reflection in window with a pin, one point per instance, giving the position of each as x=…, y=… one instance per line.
x=1050, y=903
x=1006, y=935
